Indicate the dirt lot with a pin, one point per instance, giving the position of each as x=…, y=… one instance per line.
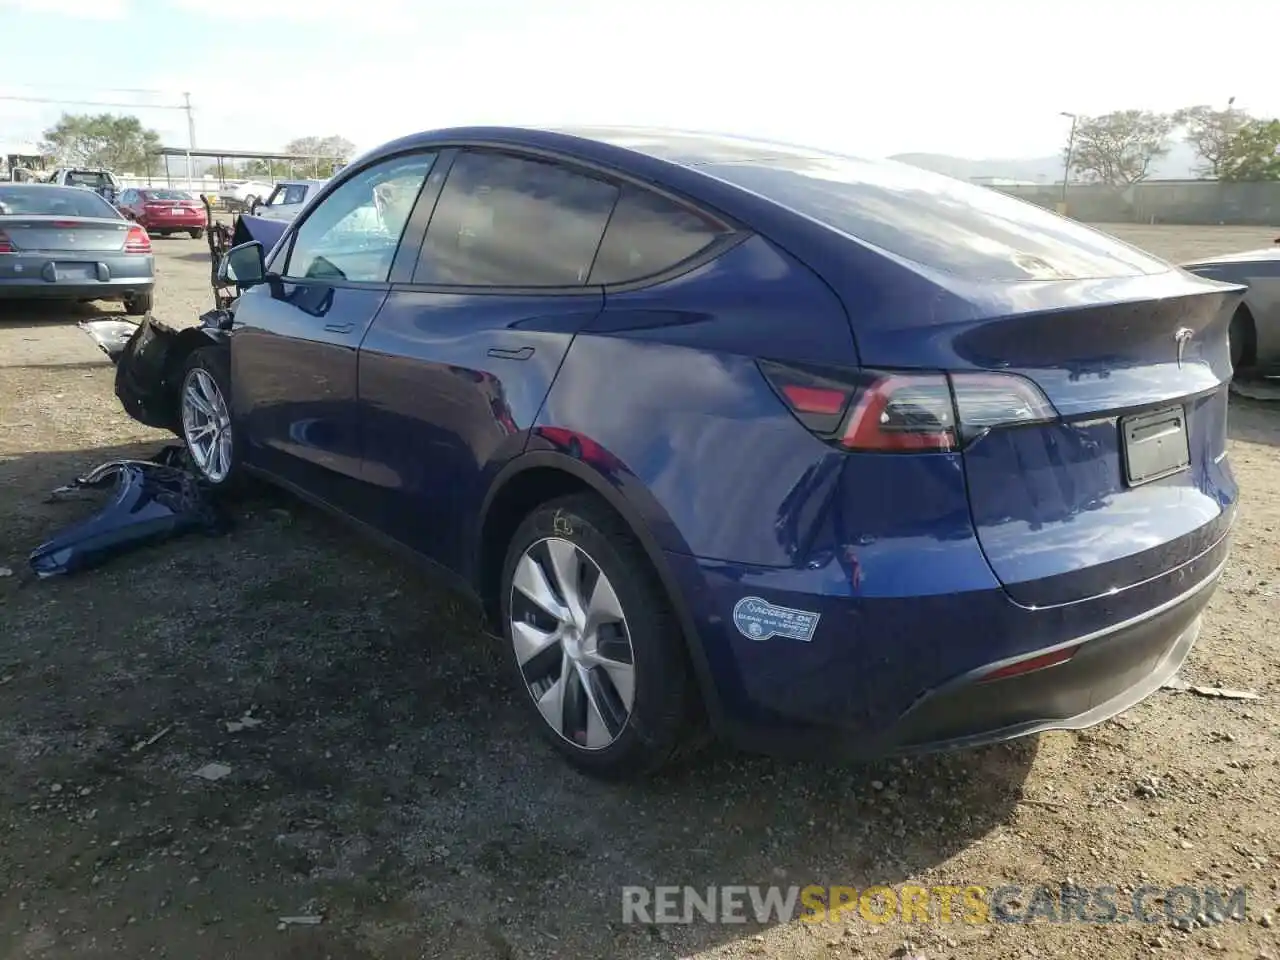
x=394, y=789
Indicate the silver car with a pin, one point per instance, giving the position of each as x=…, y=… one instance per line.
x=1255, y=327
x=67, y=243
x=288, y=198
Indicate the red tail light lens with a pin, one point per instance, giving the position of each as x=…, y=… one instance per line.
x=138, y=241
x=1030, y=664
x=6, y=245
x=902, y=412
x=889, y=411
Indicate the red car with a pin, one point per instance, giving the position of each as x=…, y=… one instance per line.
x=163, y=212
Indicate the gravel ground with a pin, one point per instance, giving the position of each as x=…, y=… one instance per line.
x=386, y=780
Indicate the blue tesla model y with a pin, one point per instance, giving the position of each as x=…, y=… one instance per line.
x=831, y=456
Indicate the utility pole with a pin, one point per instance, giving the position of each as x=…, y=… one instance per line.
x=191, y=136
x=1066, y=169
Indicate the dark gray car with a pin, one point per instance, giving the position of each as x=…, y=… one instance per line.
x=1255, y=327
x=67, y=243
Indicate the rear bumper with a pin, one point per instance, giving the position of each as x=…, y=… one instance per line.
x=41, y=290
x=156, y=224
x=75, y=276
x=882, y=676
x=1108, y=673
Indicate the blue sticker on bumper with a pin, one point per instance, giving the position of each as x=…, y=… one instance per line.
x=760, y=620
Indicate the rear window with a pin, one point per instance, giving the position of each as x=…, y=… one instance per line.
x=87, y=178
x=41, y=201
x=166, y=195
x=938, y=222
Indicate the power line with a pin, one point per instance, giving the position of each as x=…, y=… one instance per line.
x=97, y=103
x=81, y=86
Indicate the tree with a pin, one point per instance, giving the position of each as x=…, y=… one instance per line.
x=1254, y=152
x=1118, y=148
x=104, y=141
x=1210, y=132
x=338, y=148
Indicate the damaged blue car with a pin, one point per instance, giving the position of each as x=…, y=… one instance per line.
x=831, y=456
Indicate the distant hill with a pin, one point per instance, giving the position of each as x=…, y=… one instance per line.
x=1179, y=163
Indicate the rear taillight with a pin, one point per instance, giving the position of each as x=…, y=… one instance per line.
x=892, y=411
x=6, y=245
x=138, y=241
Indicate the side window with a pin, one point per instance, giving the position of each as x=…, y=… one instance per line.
x=276, y=197
x=127, y=196
x=648, y=234
x=354, y=232
x=504, y=221
x=295, y=193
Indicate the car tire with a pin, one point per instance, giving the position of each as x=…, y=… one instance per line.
x=577, y=675
x=1239, y=338
x=140, y=303
x=196, y=234
x=204, y=402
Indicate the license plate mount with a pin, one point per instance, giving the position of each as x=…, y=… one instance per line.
x=1154, y=445
x=63, y=271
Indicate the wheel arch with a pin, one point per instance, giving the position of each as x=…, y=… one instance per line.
x=1244, y=313
x=539, y=476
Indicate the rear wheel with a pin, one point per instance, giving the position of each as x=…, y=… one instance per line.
x=596, y=644
x=196, y=234
x=205, y=413
x=140, y=303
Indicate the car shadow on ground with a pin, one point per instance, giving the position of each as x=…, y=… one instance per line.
x=1254, y=421
x=19, y=312
x=381, y=770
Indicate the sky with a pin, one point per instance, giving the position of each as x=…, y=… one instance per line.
x=979, y=79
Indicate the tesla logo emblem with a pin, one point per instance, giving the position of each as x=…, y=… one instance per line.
x=1181, y=338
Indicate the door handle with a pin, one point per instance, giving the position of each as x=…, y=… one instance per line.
x=521, y=353
x=339, y=327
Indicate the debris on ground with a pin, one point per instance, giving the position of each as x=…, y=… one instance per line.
x=305, y=921
x=247, y=721
x=1178, y=685
x=154, y=500
x=212, y=771
x=111, y=336
x=149, y=741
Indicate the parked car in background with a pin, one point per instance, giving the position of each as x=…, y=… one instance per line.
x=67, y=243
x=244, y=194
x=101, y=182
x=163, y=212
x=848, y=457
x=287, y=199
x=1255, y=324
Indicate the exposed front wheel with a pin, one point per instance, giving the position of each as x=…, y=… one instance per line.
x=595, y=642
x=205, y=410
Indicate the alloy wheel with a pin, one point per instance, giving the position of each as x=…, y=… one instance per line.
x=572, y=643
x=206, y=425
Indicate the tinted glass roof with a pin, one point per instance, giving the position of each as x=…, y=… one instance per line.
x=690, y=148
x=940, y=222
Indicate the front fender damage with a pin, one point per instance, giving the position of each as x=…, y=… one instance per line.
x=153, y=500
x=149, y=367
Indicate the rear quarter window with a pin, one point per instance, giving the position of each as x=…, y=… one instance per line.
x=944, y=224
x=648, y=234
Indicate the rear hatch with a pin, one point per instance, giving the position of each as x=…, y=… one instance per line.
x=49, y=234
x=1125, y=476
x=1087, y=378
